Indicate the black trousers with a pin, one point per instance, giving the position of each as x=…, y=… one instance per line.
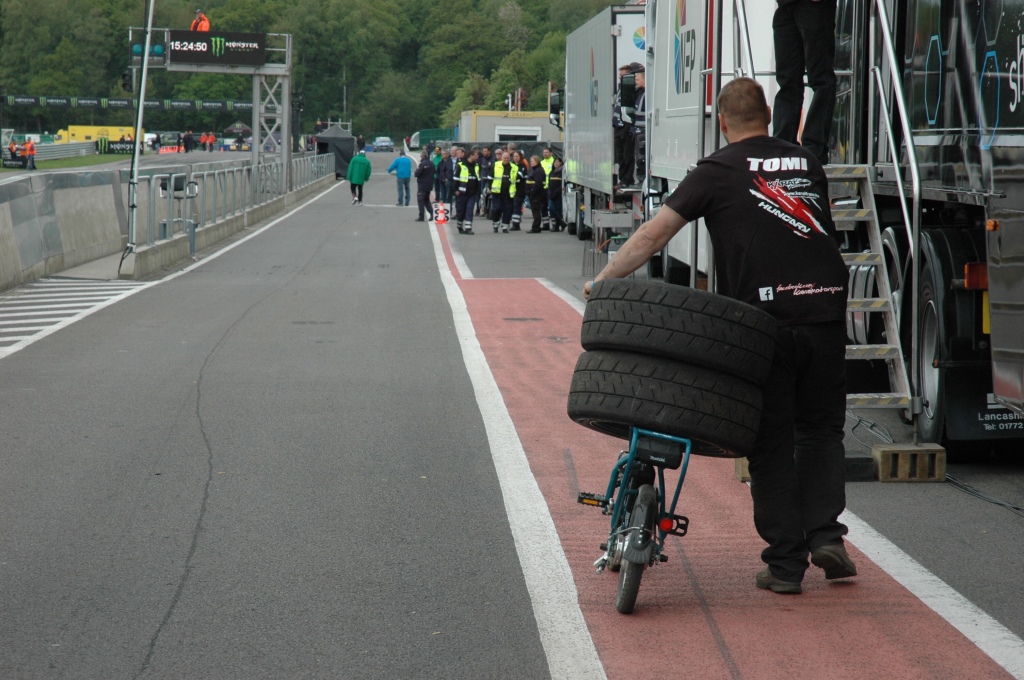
x=539, y=207
x=805, y=40
x=501, y=209
x=624, y=154
x=798, y=469
x=423, y=203
x=357, y=192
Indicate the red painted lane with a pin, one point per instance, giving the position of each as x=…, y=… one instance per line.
x=700, y=614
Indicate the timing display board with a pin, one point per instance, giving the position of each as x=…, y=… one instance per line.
x=217, y=48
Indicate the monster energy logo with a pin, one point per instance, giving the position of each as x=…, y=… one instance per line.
x=103, y=144
x=217, y=46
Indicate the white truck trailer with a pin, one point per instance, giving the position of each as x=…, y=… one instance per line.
x=593, y=54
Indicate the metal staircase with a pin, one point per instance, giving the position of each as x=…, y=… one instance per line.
x=865, y=217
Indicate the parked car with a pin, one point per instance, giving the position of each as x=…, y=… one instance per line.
x=383, y=144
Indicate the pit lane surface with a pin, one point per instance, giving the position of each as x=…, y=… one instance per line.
x=282, y=464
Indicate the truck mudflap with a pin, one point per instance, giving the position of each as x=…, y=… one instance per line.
x=972, y=413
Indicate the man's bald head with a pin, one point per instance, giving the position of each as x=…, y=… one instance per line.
x=743, y=107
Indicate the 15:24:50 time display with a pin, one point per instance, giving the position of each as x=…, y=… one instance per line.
x=181, y=46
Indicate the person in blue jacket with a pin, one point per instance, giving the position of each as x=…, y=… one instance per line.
x=402, y=167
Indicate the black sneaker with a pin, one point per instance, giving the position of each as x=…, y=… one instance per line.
x=766, y=580
x=834, y=560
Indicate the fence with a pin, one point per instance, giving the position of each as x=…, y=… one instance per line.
x=167, y=203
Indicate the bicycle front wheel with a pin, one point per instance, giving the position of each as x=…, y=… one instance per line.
x=641, y=525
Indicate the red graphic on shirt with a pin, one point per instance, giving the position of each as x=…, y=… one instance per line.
x=790, y=209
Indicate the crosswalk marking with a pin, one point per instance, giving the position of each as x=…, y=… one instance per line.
x=38, y=308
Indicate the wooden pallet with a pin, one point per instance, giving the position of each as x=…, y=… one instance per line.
x=910, y=462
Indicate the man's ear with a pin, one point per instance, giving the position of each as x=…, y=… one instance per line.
x=722, y=125
x=769, y=116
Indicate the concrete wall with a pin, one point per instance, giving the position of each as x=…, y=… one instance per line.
x=53, y=221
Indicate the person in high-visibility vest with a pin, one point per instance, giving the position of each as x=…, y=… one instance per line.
x=546, y=163
x=467, y=190
x=503, y=192
x=30, y=154
x=200, y=23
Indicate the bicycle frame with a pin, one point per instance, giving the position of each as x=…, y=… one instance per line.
x=620, y=479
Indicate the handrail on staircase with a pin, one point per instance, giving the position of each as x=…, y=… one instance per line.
x=911, y=216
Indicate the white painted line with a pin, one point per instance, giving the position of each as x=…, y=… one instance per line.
x=24, y=300
x=17, y=321
x=21, y=329
x=574, y=302
x=563, y=631
x=991, y=637
x=23, y=313
x=51, y=292
x=460, y=262
x=18, y=310
x=13, y=338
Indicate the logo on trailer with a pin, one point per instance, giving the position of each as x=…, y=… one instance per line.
x=640, y=38
x=217, y=46
x=684, y=51
x=593, y=86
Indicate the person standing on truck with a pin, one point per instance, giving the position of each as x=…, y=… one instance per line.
x=200, y=23
x=805, y=41
x=538, y=195
x=765, y=204
x=503, y=192
x=424, y=183
x=623, y=133
x=359, y=170
x=467, y=190
x=640, y=127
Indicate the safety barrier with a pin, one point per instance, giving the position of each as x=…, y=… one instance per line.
x=51, y=221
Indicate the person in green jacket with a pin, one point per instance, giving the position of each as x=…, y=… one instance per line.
x=358, y=172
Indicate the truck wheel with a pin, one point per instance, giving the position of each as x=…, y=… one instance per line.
x=681, y=323
x=611, y=391
x=931, y=421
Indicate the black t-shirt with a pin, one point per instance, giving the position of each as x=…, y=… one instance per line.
x=765, y=204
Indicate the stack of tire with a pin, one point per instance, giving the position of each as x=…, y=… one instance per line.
x=673, y=360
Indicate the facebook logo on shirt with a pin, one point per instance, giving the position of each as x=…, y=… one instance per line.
x=766, y=294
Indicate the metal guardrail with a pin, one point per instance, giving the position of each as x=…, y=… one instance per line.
x=49, y=152
x=225, y=190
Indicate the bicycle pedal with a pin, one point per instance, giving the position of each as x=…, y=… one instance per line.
x=603, y=546
x=593, y=499
x=674, y=525
x=663, y=558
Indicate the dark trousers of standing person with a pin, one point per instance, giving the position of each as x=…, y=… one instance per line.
x=805, y=40
x=465, y=206
x=445, y=195
x=624, y=155
x=517, y=211
x=357, y=192
x=555, y=212
x=501, y=211
x=539, y=207
x=798, y=467
x=423, y=204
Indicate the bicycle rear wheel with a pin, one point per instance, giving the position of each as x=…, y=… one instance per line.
x=641, y=526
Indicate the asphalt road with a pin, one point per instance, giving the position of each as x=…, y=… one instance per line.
x=274, y=466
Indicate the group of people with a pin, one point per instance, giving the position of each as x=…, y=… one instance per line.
x=765, y=203
x=479, y=182
x=26, y=152
x=499, y=185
